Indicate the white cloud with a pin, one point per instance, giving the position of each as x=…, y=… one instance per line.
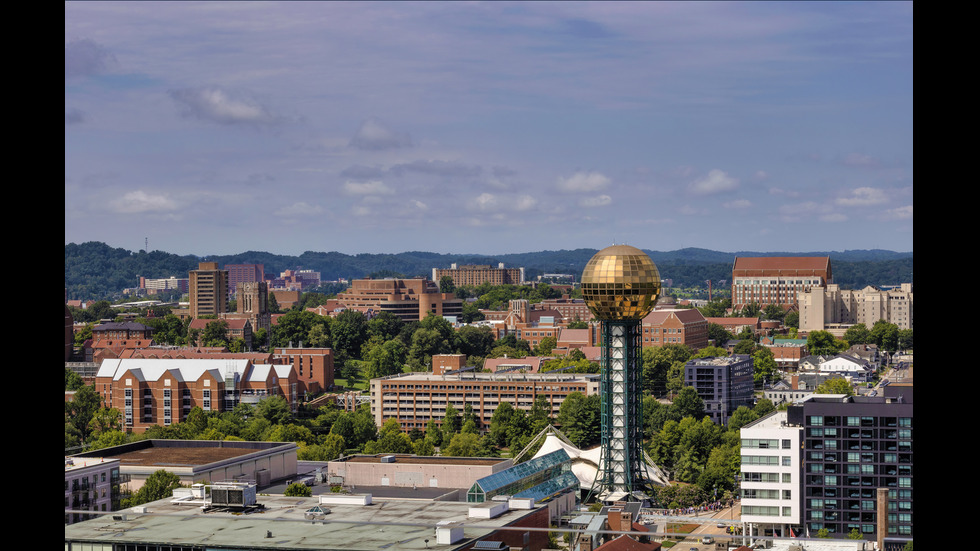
x=375, y=135
x=834, y=217
x=862, y=197
x=140, y=201
x=860, y=160
x=597, y=201
x=217, y=105
x=583, y=182
x=373, y=187
x=715, y=182
x=525, y=202
x=799, y=211
x=738, y=204
x=486, y=201
x=299, y=209
x=900, y=213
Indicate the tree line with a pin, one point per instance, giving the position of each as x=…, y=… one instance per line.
x=94, y=270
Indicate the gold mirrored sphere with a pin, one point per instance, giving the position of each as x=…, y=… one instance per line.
x=620, y=283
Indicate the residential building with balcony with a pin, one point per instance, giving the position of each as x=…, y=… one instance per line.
x=90, y=485
x=858, y=465
x=415, y=398
x=771, y=485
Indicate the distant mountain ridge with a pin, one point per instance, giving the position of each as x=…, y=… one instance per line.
x=96, y=270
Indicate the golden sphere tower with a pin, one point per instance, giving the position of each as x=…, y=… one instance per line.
x=621, y=285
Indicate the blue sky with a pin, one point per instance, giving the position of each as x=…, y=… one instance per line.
x=488, y=127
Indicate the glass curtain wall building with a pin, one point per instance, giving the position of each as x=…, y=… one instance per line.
x=539, y=478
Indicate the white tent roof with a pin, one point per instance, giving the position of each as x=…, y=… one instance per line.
x=585, y=463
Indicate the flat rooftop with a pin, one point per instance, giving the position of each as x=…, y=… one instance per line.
x=281, y=524
x=180, y=453
x=423, y=460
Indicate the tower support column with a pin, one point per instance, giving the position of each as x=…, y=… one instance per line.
x=623, y=475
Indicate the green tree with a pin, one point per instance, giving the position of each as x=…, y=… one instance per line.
x=73, y=381
x=446, y=284
x=905, y=341
x=823, y=343
x=688, y=403
x=462, y=445
x=857, y=334
x=718, y=334
x=885, y=335
x=475, y=341
x=836, y=385
x=159, y=485
x=764, y=366
x=451, y=423
x=80, y=410
x=792, y=319
x=384, y=358
x=275, y=409
x=298, y=489
x=545, y=346
x=215, y=333
x=578, y=417
x=773, y=312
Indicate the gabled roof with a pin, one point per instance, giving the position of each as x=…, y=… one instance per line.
x=685, y=315
x=183, y=370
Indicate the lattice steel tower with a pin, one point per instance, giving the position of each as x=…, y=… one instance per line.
x=621, y=285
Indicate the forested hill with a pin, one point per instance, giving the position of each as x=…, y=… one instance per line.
x=94, y=270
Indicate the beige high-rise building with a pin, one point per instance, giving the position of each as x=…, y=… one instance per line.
x=478, y=274
x=208, y=290
x=823, y=308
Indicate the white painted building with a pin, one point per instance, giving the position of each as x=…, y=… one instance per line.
x=770, y=487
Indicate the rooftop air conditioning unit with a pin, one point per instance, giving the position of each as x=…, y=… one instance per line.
x=233, y=495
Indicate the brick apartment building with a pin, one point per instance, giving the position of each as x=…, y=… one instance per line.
x=115, y=338
x=162, y=391
x=415, y=398
x=313, y=367
x=680, y=326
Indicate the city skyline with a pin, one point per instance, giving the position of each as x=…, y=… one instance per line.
x=488, y=128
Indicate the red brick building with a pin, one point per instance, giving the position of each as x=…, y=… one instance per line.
x=777, y=279
x=681, y=326
x=313, y=367
x=162, y=392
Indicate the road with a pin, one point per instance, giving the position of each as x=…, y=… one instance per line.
x=693, y=541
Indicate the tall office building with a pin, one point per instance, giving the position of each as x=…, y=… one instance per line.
x=621, y=285
x=208, y=289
